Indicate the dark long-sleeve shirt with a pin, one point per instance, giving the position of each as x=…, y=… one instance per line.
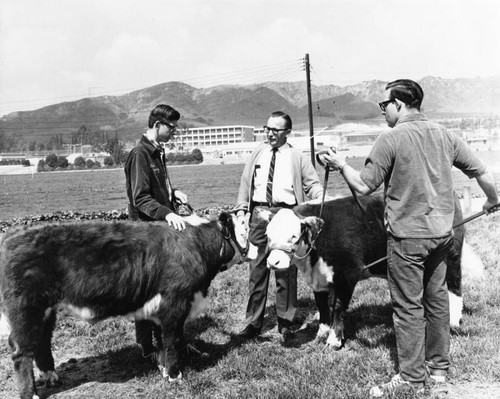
x=148, y=186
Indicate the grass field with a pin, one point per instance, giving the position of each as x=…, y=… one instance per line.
x=104, y=190
x=102, y=361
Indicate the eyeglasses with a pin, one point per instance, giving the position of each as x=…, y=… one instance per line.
x=383, y=104
x=172, y=128
x=268, y=129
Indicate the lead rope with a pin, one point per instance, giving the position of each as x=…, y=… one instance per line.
x=494, y=208
x=327, y=172
x=325, y=182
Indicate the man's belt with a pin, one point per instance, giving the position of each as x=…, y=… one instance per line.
x=273, y=205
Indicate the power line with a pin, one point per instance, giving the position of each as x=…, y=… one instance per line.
x=56, y=123
x=256, y=73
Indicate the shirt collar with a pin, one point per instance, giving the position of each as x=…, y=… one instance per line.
x=280, y=149
x=412, y=118
x=151, y=146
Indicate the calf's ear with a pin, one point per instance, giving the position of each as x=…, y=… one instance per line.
x=312, y=225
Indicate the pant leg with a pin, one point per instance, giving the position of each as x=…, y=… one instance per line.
x=259, y=273
x=257, y=289
x=436, y=304
x=406, y=279
x=286, y=295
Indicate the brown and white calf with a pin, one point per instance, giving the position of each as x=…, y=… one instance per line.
x=345, y=240
x=98, y=270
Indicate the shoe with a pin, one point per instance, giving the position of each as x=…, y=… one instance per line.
x=397, y=385
x=436, y=375
x=432, y=387
x=286, y=332
x=249, y=332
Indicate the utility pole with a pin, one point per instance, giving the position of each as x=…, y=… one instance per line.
x=309, y=107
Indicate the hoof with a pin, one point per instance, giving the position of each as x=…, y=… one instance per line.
x=50, y=378
x=333, y=342
x=164, y=373
x=323, y=331
x=178, y=379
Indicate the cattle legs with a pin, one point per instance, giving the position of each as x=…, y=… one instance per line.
x=26, y=324
x=30, y=340
x=339, y=298
x=321, y=299
x=23, y=373
x=43, y=355
x=171, y=361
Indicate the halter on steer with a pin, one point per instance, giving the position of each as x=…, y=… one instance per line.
x=228, y=232
x=291, y=249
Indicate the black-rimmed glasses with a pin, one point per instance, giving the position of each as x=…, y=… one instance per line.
x=383, y=104
x=273, y=130
x=172, y=128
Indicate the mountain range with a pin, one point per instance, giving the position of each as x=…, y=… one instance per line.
x=126, y=116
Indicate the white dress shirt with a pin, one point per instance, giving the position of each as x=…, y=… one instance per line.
x=282, y=182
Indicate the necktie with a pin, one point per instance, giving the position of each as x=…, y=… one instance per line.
x=269, y=187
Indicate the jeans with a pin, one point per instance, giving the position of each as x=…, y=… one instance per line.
x=416, y=275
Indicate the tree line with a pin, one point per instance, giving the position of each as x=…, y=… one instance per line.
x=54, y=162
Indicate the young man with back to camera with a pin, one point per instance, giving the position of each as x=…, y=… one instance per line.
x=414, y=161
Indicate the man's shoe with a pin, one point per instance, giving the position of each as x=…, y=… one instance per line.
x=249, y=332
x=396, y=386
x=436, y=375
x=286, y=332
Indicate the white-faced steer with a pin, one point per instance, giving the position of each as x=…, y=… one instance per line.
x=102, y=269
x=336, y=249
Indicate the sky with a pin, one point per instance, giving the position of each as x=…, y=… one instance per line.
x=53, y=51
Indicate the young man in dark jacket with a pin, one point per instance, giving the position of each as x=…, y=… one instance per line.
x=150, y=193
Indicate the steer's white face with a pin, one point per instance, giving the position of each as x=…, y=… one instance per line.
x=283, y=232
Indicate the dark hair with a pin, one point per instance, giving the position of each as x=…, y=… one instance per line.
x=163, y=113
x=285, y=116
x=407, y=91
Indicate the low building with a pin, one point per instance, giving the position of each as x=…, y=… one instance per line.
x=214, y=136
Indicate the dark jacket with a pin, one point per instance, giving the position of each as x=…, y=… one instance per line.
x=148, y=185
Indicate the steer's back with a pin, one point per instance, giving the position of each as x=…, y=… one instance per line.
x=114, y=267
x=354, y=234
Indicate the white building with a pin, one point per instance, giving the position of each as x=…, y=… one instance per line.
x=211, y=137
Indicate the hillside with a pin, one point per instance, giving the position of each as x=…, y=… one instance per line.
x=125, y=116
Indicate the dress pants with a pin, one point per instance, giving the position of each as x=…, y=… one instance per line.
x=286, y=281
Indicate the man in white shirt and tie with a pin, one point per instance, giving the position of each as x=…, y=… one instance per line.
x=276, y=176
